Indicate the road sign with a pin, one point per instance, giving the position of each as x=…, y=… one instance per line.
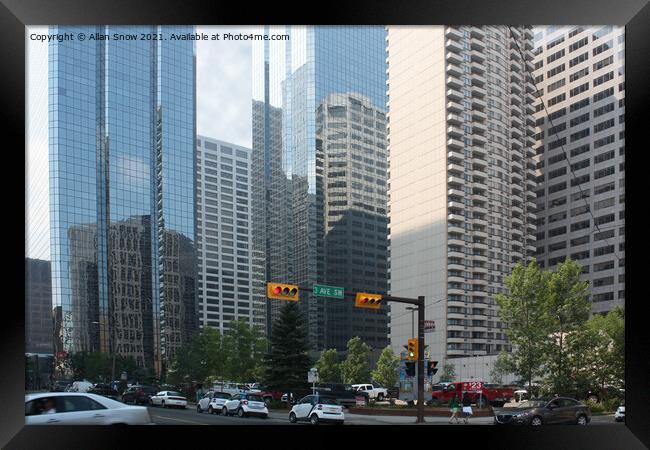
x=429, y=326
x=322, y=290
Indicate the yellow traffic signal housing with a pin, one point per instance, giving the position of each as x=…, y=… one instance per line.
x=412, y=350
x=282, y=291
x=365, y=300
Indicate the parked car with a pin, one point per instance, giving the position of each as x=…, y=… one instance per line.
x=545, y=411
x=104, y=390
x=268, y=394
x=72, y=408
x=139, y=394
x=167, y=399
x=218, y=400
x=316, y=409
x=228, y=387
x=245, y=405
x=79, y=386
x=374, y=392
x=619, y=415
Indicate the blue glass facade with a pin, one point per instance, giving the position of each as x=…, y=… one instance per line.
x=296, y=78
x=122, y=193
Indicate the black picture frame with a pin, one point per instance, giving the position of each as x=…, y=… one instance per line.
x=634, y=14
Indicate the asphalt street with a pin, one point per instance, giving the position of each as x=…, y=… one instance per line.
x=189, y=416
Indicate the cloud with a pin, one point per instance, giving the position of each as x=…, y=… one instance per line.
x=224, y=86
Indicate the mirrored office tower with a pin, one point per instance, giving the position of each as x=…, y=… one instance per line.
x=318, y=124
x=122, y=193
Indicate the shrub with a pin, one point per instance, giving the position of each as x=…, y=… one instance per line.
x=595, y=407
x=611, y=404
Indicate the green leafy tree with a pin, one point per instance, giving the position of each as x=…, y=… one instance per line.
x=287, y=362
x=243, y=348
x=202, y=356
x=448, y=373
x=567, y=310
x=355, y=368
x=502, y=366
x=387, y=371
x=329, y=369
x=523, y=311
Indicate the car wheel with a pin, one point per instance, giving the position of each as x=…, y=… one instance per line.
x=536, y=421
x=267, y=402
x=198, y=408
x=224, y=411
x=582, y=419
x=241, y=413
x=292, y=417
x=380, y=397
x=314, y=419
x=210, y=410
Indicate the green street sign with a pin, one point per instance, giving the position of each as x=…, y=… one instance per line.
x=322, y=290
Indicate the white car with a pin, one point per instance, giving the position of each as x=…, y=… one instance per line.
x=169, y=398
x=212, y=402
x=619, y=415
x=317, y=409
x=73, y=408
x=245, y=405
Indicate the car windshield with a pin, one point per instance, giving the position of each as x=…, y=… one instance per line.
x=533, y=404
x=221, y=395
x=174, y=394
x=255, y=398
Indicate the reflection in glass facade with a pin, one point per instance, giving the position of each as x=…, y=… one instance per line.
x=309, y=240
x=122, y=193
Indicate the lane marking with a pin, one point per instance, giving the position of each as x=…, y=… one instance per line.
x=179, y=420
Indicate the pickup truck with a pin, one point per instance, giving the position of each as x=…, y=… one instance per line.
x=374, y=393
x=482, y=394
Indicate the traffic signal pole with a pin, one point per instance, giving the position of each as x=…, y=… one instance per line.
x=419, y=302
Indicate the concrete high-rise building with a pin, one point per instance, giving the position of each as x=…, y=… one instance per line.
x=462, y=180
x=122, y=193
x=580, y=72
x=39, y=319
x=231, y=280
x=324, y=188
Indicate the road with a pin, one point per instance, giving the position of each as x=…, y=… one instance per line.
x=189, y=416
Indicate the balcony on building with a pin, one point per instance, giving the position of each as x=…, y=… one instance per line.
x=516, y=78
x=454, y=132
x=453, y=155
x=454, y=69
x=454, y=119
x=479, y=103
x=515, y=120
x=479, y=128
x=478, y=91
x=478, y=45
x=453, y=46
x=454, y=82
x=479, y=152
x=480, y=115
x=479, y=80
x=455, y=218
x=454, y=107
x=454, y=58
x=454, y=143
x=453, y=33
x=454, y=95
x=478, y=139
x=477, y=67
x=477, y=56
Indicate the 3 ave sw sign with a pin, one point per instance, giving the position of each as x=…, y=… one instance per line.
x=322, y=290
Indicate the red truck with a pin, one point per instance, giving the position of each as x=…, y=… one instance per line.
x=480, y=393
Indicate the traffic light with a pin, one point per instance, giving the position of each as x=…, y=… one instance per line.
x=365, y=300
x=431, y=368
x=410, y=368
x=412, y=350
x=282, y=291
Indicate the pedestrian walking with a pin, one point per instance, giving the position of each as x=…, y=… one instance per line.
x=467, y=407
x=454, y=404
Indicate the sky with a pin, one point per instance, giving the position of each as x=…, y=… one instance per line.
x=224, y=87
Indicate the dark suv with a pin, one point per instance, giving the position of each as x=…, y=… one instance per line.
x=343, y=393
x=104, y=390
x=139, y=394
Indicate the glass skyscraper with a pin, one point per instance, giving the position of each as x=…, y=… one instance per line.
x=319, y=103
x=122, y=193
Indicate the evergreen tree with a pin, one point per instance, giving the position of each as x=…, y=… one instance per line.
x=287, y=363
